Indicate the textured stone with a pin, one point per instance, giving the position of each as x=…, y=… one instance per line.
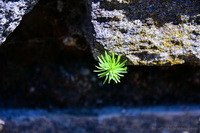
x=147, y=32
x=102, y=120
x=37, y=71
x=11, y=13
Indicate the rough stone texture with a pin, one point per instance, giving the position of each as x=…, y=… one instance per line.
x=48, y=65
x=11, y=13
x=97, y=121
x=148, y=32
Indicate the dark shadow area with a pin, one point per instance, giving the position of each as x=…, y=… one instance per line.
x=38, y=71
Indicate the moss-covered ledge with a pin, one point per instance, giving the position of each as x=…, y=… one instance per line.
x=147, y=32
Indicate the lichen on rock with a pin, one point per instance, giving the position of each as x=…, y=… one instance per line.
x=148, y=32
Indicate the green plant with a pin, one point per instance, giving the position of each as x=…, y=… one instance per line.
x=110, y=67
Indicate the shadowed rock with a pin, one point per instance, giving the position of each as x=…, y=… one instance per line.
x=106, y=120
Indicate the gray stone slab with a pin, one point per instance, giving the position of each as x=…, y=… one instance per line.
x=11, y=13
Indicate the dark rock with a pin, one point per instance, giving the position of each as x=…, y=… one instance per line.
x=11, y=13
x=41, y=71
x=135, y=120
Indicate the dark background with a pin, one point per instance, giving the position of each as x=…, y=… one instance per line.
x=38, y=70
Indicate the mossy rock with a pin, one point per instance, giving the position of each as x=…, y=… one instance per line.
x=147, y=32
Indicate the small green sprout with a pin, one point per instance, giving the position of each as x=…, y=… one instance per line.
x=111, y=67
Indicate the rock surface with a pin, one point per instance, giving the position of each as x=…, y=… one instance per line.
x=147, y=32
x=103, y=120
x=11, y=13
x=47, y=65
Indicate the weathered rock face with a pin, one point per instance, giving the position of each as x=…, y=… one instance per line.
x=11, y=13
x=148, y=32
x=44, y=64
